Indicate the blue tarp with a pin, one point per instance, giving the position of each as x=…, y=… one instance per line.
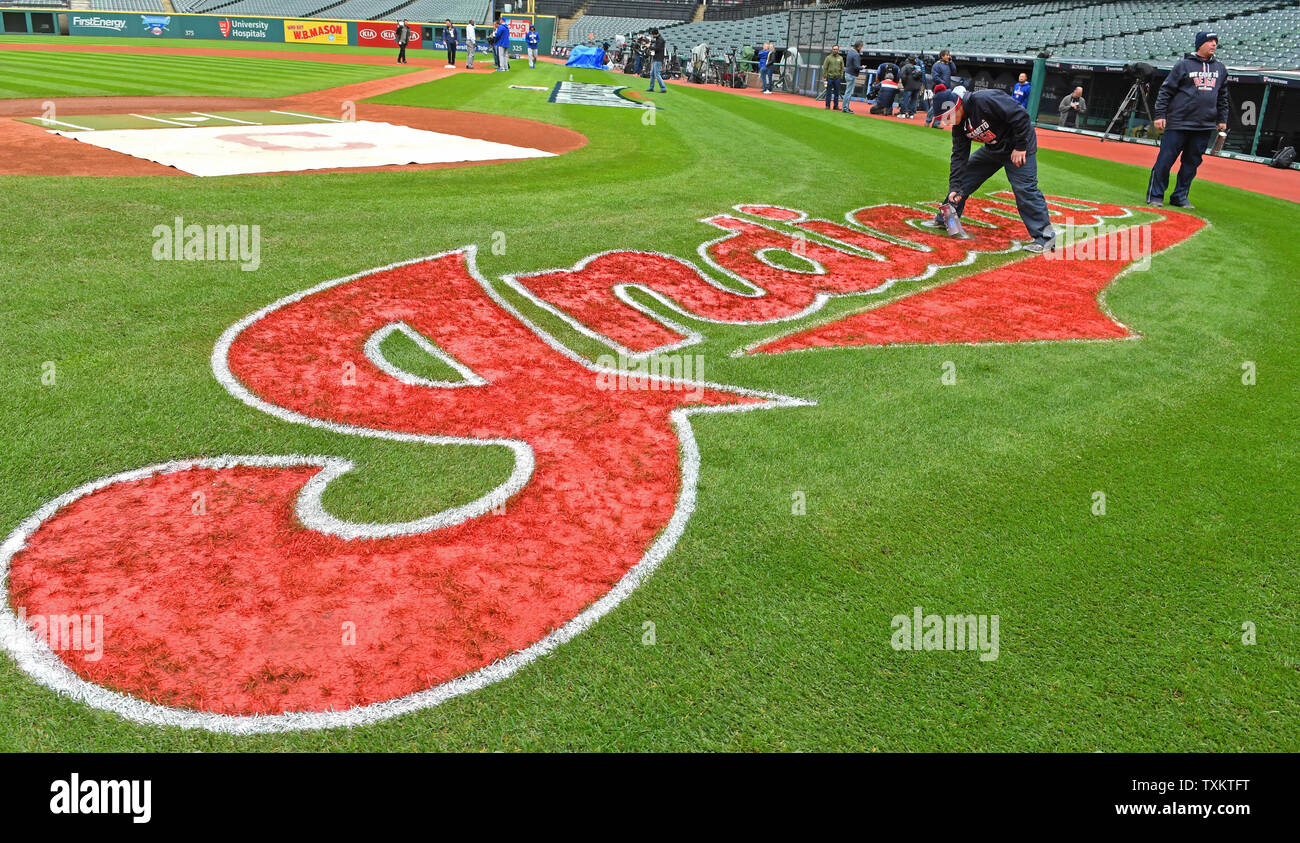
x=587, y=57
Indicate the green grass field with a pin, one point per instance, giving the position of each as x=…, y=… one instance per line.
x=1120, y=632
x=26, y=74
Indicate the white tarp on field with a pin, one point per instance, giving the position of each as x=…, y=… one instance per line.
x=232, y=150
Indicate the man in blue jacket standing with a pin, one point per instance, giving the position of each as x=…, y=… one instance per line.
x=994, y=119
x=765, y=68
x=1020, y=93
x=532, y=39
x=1191, y=105
x=501, y=44
x=942, y=70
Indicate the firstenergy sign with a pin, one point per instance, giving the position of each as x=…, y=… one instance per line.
x=94, y=22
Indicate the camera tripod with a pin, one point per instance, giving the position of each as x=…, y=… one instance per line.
x=1136, y=94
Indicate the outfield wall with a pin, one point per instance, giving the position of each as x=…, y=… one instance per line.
x=236, y=28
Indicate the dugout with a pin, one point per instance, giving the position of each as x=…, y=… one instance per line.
x=810, y=35
x=1264, y=114
x=1263, y=110
x=30, y=22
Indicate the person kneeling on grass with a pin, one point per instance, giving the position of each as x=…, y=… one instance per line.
x=996, y=120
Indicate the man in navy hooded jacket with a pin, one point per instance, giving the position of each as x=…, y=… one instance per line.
x=941, y=71
x=1191, y=105
x=996, y=120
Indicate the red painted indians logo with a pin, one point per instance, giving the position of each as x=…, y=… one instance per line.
x=265, y=612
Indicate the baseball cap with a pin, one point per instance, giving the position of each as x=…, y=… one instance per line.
x=944, y=101
x=1202, y=37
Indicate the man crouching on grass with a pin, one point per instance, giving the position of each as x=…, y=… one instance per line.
x=996, y=120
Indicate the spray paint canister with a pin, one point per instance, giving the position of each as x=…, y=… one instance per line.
x=952, y=221
x=1218, y=143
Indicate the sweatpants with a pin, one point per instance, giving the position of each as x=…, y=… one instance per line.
x=981, y=166
x=1191, y=145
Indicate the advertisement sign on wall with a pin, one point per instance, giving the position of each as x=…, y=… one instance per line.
x=518, y=27
x=92, y=24
x=177, y=26
x=316, y=32
x=383, y=34
x=331, y=32
x=155, y=25
x=250, y=29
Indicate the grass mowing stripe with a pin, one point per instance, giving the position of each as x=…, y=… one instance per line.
x=38, y=84
x=71, y=74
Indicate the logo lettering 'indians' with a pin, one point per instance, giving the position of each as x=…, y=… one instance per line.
x=261, y=611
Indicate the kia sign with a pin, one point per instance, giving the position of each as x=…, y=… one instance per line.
x=376, y=34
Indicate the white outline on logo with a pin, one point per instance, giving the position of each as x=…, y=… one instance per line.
x=375, y=355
